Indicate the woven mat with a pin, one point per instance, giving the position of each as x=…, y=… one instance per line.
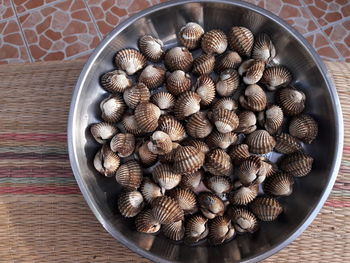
x=43, y=216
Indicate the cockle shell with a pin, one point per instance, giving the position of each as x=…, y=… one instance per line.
x=228, y=60
x=196, y=229
x=164, y=175
x=218, y=162
x=214, y=42
x=145, y=222
x=266, y=208
x=291, y=100
x=297, y=164
x=178, y=58
x=172, y=127
x=130, y=203
x=129, y=175
x=243, y=220
x=210, y=205
x=198, y=125
x=136, y=94
x=276, y=76
x=151, y=48
x=169, y=157
x=190, y=35
x=205, y=88
x=130, y=60
x=152, y=76
x=252, y=71
x=218, y=184
x=303, y=127
x=106, y=162
x=221, y=140
x=150, y=190
x=285, y=143
x=249, y=170
x=204, y=64
x=191, y=181
x=166, y=210
x=123, y=144
x=280, y=184
x=239, y=152
x=271, y=119
x=174, y=231
x=178, y=82
x=130, y=124
x=187, y=104
x=186, y=199
x=247, y=122
x=254, y=98
x=243, y=195
x=103, y=131
x=241, y=39
x=225, y=120
x=112, y=108
x=225, y=103
x=220, y=230
x=188, y=159
x=146, y=116
x=228, y=82
x=263, y=48
x=202, y=146
x=260, y=141
x=160, y=143
x=115, y=81
x=164, y=100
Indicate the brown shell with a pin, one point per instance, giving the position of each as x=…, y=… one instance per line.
x=130, y=124
x=191, y=181
x=254, y=98
x=129, y=175
x=106, y=162
x=202, y=146
x=112, y=108
x=164, y=175
x=178, y=82
x=260, y=141
x=115, y=81
x=146, y=116
x=150, y=190
x=228, y=60
x=145, y=222
x=271, y=119
x=225, y=103
x=103, y=131
x=266, y=208
x=186, y=199
x=205, y=88
x=188, y=159
x=286, y=143
x=130, y=60
x=243, y=195
x=220, y=230
x=303, y=127
x=221, y=140
x=196, y=228
x=241, y=39
x=187, y=104
x=225, y=120
x=204, y=64
x=166, y=210
x=130, y=203
x=172, y=127
x=164, y=100
x=198, y=125
x=252, y=72
x=263, y=48
x=218, y=162
x=210, y=205
x=297, y=164
x=243, y=220
x=123, y=144
x=151, y=48
x=152, y=76
x=218, y=184
x=160, y=143
x=291, y=100
x=239, y=152
x=280, y=184
x=249, y=170
x=228, y=82
x=214, y=42
x=169, y=157
x=275, y=77
x=190, y=35
x=136, y=94
x=174, y=231
x=247, y=122
x=178, y=58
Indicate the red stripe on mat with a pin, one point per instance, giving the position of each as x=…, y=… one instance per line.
x=337, y=203
x=34, y=136
x=40, y=190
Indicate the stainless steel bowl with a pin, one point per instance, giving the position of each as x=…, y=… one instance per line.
x=311, y=76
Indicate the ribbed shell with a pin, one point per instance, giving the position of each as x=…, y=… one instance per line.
x=303, y=127
x=150, y=190
x=186, y=199
x=285, y=143
x=271, y=119
x=129, y=175
x=166, y=210
x=260, y=141
x=164, y=100
x=297, y=164
x=204, y=64
x=187, y=104
x=225, y=120
x=191, y=181
x=172, y=127
x=247, y=122
x=241, y=39
x=130, y=203
x=169, y=157
x=266, y=208
x=160, y=143
x=152, y=76
x=103, y=131
x=243, y=220
x=174, y=231
x=243, y=195
x=220, y=230
x=145, y=222
x=218, y=184
x=151, y=48
x=188, y=159
x=178, y=82
x=112, y=108
x=136, y=94
x=221, y=140
x=202, y=146
x=190, y=35
x=218, y=162
x=254, y=98
x=178, y=58
x=228, y=60
x=292, y=101
x=228, y=82
x=254, y=72
x=225, y=103
x=249, y=169
x=210, y=205
x=123, y=144
x=115, y=81
x=164, y=175
x=130, y=124
x=280, y=184
x=205, y=88
x=263, y=48
x=196, y=228
x=130, y=60
x=239, y=152
x=147, y=115
x=106, y=162
x=198, y=125
x=275, y=77
x=214, y=42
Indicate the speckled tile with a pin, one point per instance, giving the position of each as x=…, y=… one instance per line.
x=24, y=6
x=6, y=10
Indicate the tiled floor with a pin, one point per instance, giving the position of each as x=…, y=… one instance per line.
x=41, y=30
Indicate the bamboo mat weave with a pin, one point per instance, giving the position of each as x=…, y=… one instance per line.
x=43, y=216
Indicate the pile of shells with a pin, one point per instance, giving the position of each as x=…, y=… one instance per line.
x=189, y=138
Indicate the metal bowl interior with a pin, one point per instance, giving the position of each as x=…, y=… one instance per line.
x=310, y=75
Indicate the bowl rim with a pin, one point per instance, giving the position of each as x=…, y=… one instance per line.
x=320, y=65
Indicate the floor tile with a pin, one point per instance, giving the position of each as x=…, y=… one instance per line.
x=339, y=34
x=23, y=6
x=6, y=10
